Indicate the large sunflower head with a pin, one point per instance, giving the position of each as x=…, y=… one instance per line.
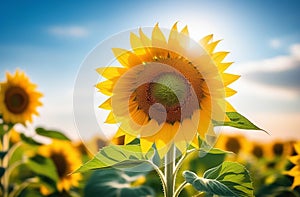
x=167, y=91
x=66, y=159
x=19, y=98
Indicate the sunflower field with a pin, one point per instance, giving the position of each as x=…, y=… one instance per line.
x=167, y=95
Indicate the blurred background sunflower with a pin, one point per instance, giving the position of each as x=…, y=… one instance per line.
x=19, y=98
x=66, y=159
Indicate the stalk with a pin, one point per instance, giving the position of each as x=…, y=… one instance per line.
x=169, y=172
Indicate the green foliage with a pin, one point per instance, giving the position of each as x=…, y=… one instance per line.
x=51, y=134
x=125, y=156
x=5, y=127
x=43, y=166
x=115, y=183
x=238, y=121
x=29, y=140
x=227, y=179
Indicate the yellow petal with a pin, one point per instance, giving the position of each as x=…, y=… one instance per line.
x=222, y=66
x=164, y=136
x=204, y=122
x=173, y=38
x=120, y=132
x=185, y=31
x=184, y=38
x=158, y=38
x=295, y=159
x=229, y=108
x=145, y=40
x=204, y=41
x=129, y=138
x=296, y=182
x=219, y=56
x=126, y=58
x=145, y=145
x=139, y=117
x=111, y=118
x=211, y=46
x=229, y=78
x=111, y=72
x=106, y=87
x=138, y=47
x=106, y=104
x=297, y=147
x=229, y=92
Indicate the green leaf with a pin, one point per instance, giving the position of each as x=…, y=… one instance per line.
x=116, y=183
x=51, y=134
x=43, y=166
x=124, y=156
x=213, y=151
x=238, y=121
x=29, y=140
x=227, y=179
x=5, y=127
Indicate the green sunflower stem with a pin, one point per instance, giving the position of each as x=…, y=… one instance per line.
x=4, y=164
x=169, y=172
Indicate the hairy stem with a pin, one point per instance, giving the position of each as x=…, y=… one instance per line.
x=180, y=188
x=169, y=172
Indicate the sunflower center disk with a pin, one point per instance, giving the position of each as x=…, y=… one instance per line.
x=16, y=100
x=169, y=89
x=60, y=163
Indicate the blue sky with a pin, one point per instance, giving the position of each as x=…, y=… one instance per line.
x=50, y=39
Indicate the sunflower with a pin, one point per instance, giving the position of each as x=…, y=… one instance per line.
x=279, y=149
x=66, y=159
x=257, y=150
x=237, y=144
x=18, y=98
x=167, y=92
x=295, y=171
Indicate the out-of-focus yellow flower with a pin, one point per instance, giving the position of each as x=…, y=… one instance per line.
x=66, y=159
x=19, y=98
x=44, y=190
x=118, y=140
x=167, y=92
x=278, y=148
x=234, y=143
x=14, y=136
x=257, y=150
x=295, y=171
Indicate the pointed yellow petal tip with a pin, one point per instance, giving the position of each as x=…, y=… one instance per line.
x=185, y=30
x=145, y=145
x=205, y=40
x=174, y=28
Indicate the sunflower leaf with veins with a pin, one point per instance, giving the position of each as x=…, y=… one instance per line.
x=238, y=121
x=227, y=179
x=117, y=156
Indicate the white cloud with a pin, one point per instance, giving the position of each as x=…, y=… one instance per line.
x=274, y=64
x=72, y=31
x=275, y=43
x=295, y=51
